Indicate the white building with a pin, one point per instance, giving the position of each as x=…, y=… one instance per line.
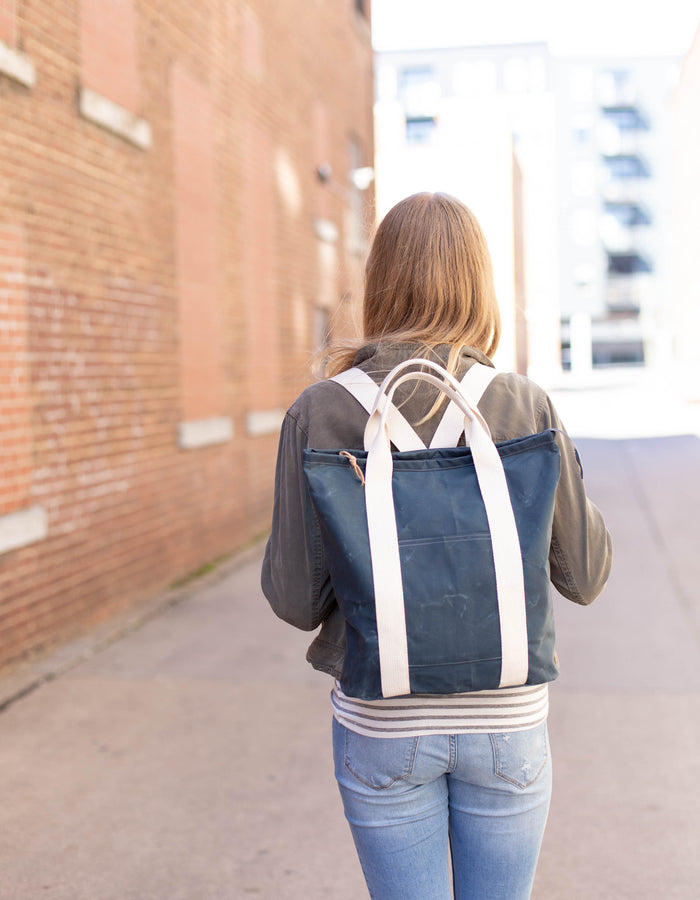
x=564, y=164
x=683, y=313
x=613, y=207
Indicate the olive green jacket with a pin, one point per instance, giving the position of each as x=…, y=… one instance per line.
x=295, y=576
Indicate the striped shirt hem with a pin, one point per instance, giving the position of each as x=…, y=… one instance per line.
x=495, y=712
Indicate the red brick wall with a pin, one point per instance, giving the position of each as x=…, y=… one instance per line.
x=197, y=235
x=15, y=413
x=260, y=277
x=139, y=287
x=7, y=22
x=108, y=50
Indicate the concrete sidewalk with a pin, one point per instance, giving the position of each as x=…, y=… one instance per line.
x=191, y=758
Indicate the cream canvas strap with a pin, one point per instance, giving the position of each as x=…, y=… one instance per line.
x=383, y=536
x=364, y=389
x=478, y=377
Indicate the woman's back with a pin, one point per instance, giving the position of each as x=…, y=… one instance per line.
x=466, y=772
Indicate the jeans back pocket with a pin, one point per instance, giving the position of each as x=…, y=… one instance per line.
x=379, y=762
x=520, y=756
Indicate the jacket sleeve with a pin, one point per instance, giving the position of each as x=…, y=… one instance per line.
x=295, y=576
x=580, y=554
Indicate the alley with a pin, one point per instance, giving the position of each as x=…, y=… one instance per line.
x=190, y=758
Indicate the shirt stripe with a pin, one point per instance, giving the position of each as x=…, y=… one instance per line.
x=507, y=709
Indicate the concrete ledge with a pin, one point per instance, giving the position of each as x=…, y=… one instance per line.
x=264, y=421
x=204, y=433
x=22, y=528
x=17, y=66
x=108, y=114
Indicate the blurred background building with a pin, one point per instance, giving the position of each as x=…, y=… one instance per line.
x=182, y=219
x=682, y=312
x=566, y=162
x=613, y=188
x=479, y=123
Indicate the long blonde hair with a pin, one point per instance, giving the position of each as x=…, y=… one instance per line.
x=428, y=281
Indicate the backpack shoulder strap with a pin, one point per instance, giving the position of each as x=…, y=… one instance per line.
x=474, y=383
x=364, y=390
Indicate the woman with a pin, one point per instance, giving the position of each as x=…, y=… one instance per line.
x=464, y=777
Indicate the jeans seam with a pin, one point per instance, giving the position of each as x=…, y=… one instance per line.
x=452, y=761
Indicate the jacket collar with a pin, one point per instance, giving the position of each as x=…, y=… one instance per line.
x=383, y=356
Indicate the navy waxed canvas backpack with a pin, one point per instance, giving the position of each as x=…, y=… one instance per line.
x=438, y=556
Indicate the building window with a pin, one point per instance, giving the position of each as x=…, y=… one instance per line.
x=627, y=264
x=626, y=166
x=420, y=93
x=109, y=64
x=195, y=201
x=420, y=130
x=627, y=353
x=16, y=435
x=623, y=296
x=627, y=214
x=474, y=77
x=619, y=78
x=616, y=88
x=583, y=130
x=515, y=75
x=625, y=118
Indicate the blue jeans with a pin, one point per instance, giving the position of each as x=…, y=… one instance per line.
x=413, y=802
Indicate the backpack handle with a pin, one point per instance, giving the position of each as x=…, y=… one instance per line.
x=384, y=543
x=379, y=417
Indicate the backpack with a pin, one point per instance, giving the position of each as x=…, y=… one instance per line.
x=438, y=556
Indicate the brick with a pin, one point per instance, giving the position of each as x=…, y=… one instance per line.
x=140, y=289
x=197, y=247
x=8, y=22
x=108, y=50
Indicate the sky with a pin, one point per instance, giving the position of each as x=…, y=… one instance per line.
x=589, y=28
